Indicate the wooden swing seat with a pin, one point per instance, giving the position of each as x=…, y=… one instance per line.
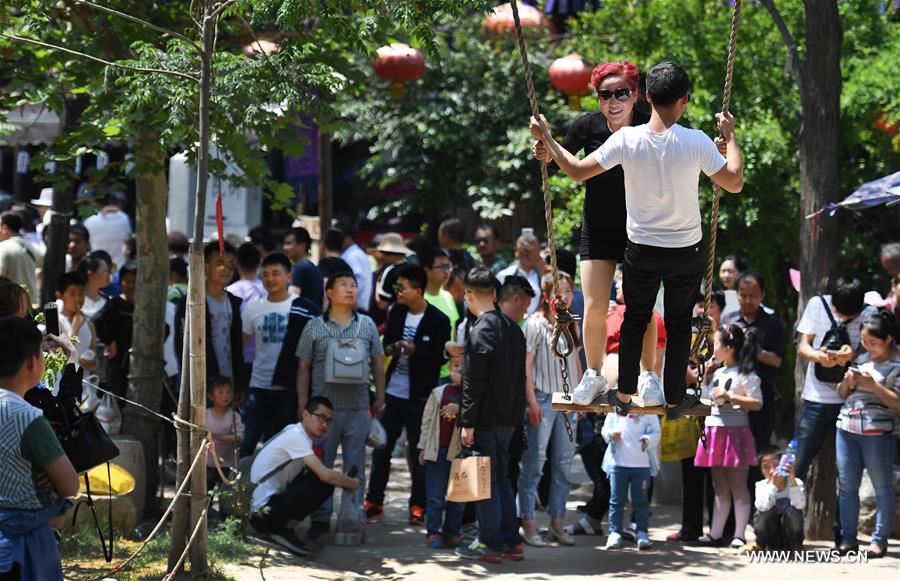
x=560, y=404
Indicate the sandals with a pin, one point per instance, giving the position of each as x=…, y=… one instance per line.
x=582, y=527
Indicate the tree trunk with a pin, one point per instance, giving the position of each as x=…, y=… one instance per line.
x=145, y=384
x=819, y=163
x=57, y=243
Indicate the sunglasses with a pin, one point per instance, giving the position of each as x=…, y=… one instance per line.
x=620, y=94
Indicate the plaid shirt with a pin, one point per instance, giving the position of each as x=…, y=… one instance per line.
x=314, y=344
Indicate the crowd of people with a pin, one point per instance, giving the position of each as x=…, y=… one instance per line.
x=451, y=351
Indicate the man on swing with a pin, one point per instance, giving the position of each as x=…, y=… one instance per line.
x=661, y=161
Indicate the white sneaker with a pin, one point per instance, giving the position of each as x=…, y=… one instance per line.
x=649, y=390
x=643, y=541
x=592, y=385
x=614, y=541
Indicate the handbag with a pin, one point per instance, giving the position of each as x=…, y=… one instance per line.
x=84, y=440
x=347, y=361
x=679, y=438
x=470, y=477
x=835, y=338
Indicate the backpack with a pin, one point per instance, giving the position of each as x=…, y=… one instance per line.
x=835, y=338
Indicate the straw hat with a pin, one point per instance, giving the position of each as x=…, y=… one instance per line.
x=392, y=242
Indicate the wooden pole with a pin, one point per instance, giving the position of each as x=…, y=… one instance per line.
x=196, y=311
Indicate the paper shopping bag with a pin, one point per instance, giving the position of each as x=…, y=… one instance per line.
x=470, y=479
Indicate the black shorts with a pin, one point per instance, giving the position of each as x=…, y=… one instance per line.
x=603, y=225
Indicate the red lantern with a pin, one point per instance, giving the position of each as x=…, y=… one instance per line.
x=398, y=63
x=571, y=75
x=883, y=124
x=501, y=22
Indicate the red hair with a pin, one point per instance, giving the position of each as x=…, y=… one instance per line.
x=625, y=69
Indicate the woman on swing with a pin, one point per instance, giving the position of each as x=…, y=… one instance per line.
x=603, y=223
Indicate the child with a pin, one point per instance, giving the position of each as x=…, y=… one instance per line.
x=729, y=450
x=630, y=461
x=72, y=322
x=438, y=445
x=225, y=427
x=779, y=503
x=37, y=474
x=661, y=162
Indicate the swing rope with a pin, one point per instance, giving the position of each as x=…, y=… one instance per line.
x=701, y=349
x=562, y=328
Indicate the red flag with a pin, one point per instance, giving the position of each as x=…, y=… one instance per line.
x=219, y=225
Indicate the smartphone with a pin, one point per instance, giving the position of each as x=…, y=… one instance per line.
x=854, y=369
x=528, y=232
x=51, y=318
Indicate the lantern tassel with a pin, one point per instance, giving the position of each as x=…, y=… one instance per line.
x=220, y=227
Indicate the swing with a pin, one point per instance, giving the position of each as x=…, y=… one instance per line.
x=705, y=327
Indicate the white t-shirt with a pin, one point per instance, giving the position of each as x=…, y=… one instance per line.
x=108, y=230
x=361, y=264
x=815, y=321
x=728, y=414
x=629, y=452
x=662, y=171
x=267, y=322
x=294, y=444
x=399, y=383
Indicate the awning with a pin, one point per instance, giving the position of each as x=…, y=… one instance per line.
x=37, y=125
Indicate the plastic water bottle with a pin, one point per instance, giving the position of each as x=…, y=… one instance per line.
x=787, y=459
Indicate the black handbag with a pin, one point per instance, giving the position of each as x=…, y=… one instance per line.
x=84, y=440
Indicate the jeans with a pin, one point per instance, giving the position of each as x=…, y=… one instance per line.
x=550, y=432
x=441, y=516
x=815, y=424
x=779, y=530
x=876, y=455
x=680, y=270
x=399, y=414
x=265, y=413
x=350, y=429
x=497, y=521
x=303, y=495
x=620, y=481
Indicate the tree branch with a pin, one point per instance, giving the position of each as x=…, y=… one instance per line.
x=221, y=8
x=793, y=53
x=100, y=60
x=161, y=29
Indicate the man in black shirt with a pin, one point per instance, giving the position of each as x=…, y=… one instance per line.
x=493, y=402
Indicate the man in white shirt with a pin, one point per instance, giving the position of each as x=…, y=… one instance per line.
x=109, y=228
x=821, y=400
x=291, y=480
x=662, y=162
x=268, y=407
x=361, y=264
x=529, y=265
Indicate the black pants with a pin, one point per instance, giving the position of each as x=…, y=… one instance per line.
x=598, y=505
x=516, y=448
x=779, y=530
x=696, y=491
x=399, y=414
x=679, y=269
x=302, y=496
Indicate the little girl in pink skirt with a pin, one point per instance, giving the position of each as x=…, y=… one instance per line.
x=729, y=450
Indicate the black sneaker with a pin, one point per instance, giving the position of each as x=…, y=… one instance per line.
x=620, y=406
x=317, y=529
x=689, y=401
x=288, y=539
